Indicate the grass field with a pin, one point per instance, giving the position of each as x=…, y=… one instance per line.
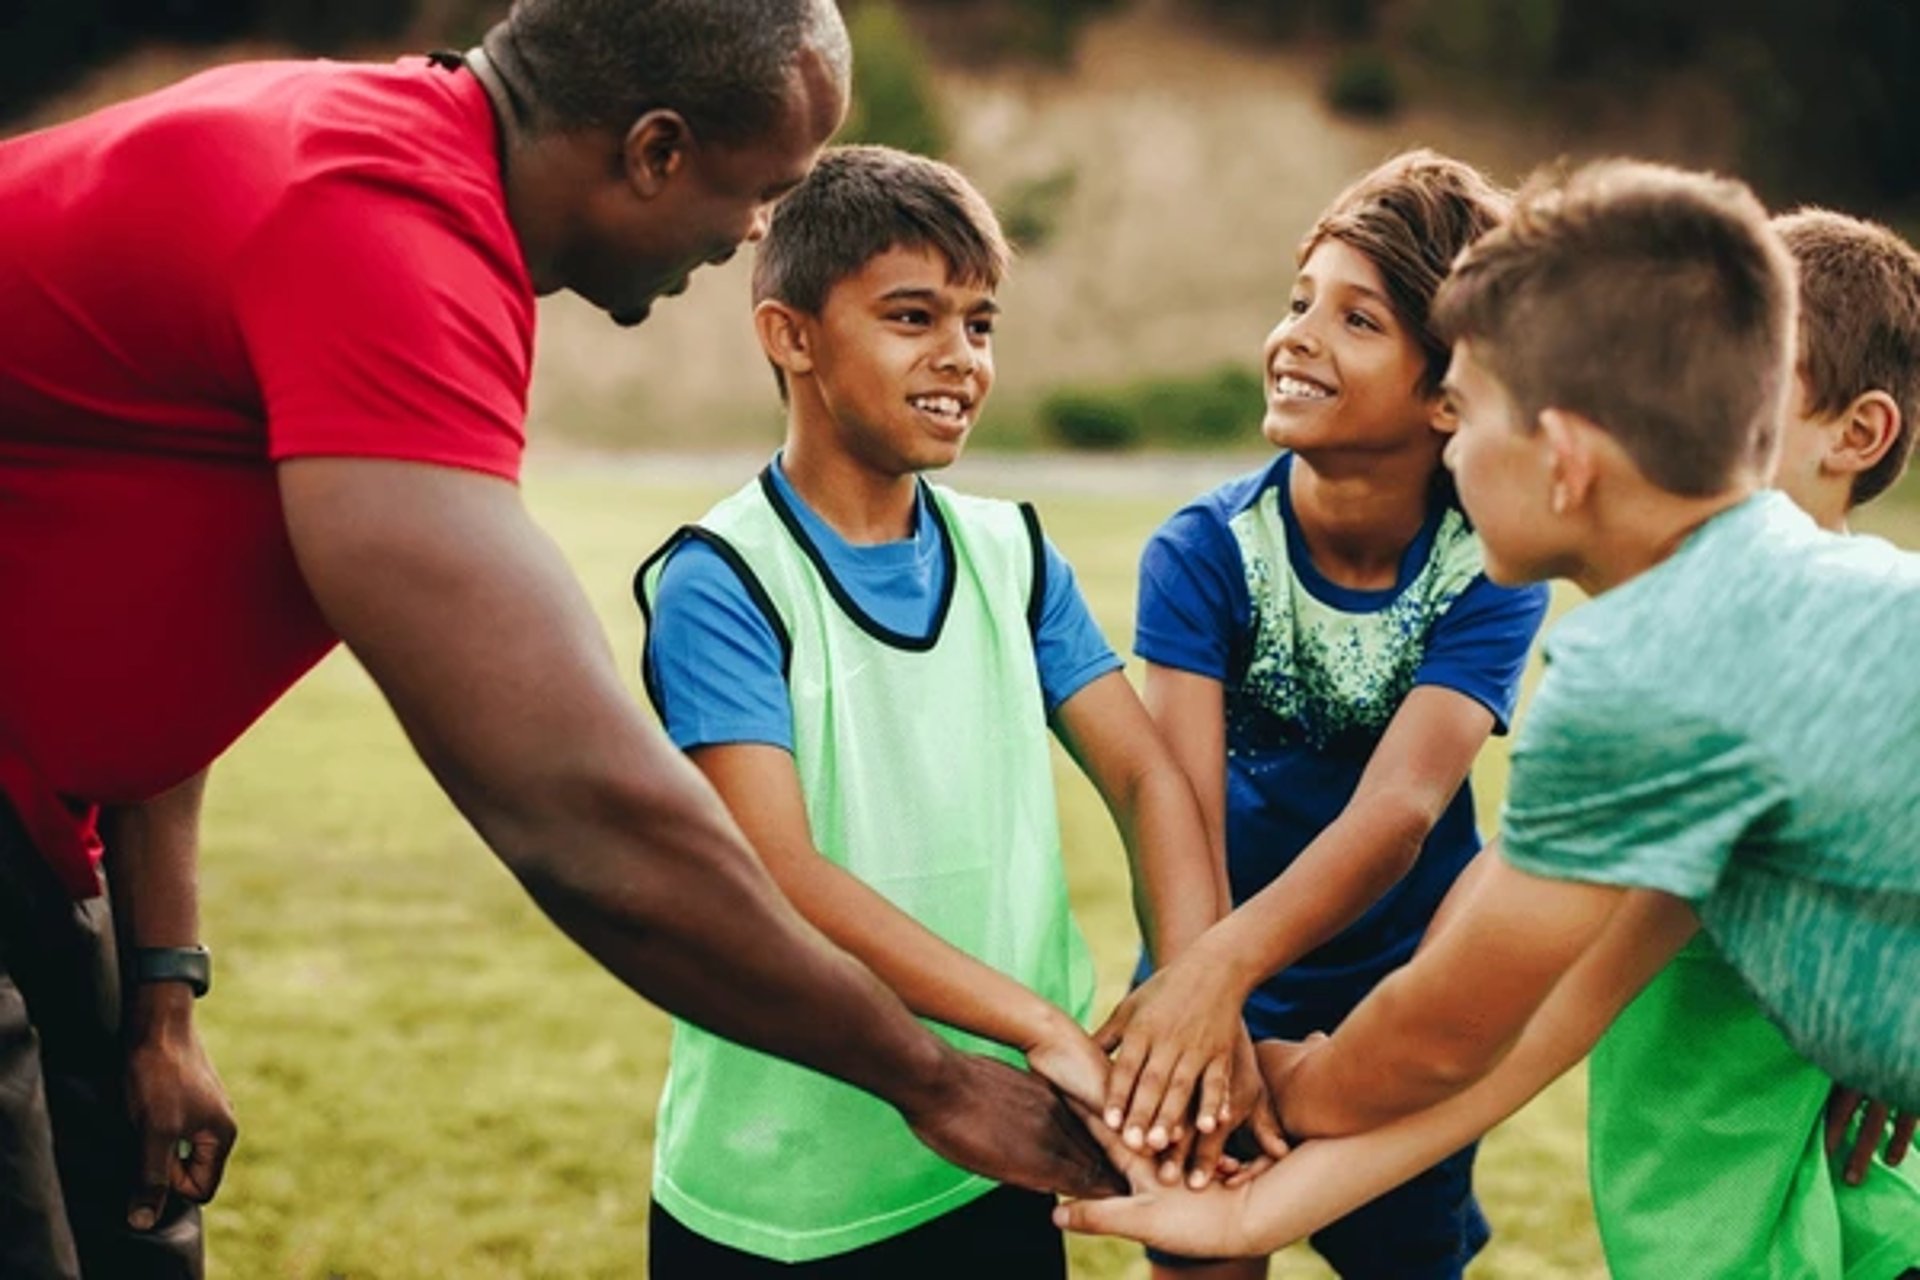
x=433, y=1083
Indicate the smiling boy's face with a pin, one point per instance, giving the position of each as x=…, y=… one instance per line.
x=1504, y=474
x=1343, y=372
x=901, y=360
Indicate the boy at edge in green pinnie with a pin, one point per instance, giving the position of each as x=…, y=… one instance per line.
x=866, y=667
x=1732, y=1173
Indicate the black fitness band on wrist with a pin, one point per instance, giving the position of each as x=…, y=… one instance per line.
x=191, y=965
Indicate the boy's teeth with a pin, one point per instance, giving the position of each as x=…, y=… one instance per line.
x=1287, y=385
x=947, y=406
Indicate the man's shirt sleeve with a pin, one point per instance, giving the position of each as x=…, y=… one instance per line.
x=714, y=662
x=1069, y=648
x=1479, y=646
x=378, y=327
x=1193, y=600
x=1614, y=785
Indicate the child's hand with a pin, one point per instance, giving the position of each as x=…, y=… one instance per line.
x=1177, y=1032
x=1842, y=1103
x=1068, y=1059
x=1206, y=1223
x=1249, y=1108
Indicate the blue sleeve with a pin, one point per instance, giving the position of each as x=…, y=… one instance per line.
x=714, y=662
x=1069, y=647
x=1479, y=645
x=1193, y=604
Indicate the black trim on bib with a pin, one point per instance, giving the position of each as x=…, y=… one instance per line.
x=748, y=579
x=1037, y=592
x=848, y=605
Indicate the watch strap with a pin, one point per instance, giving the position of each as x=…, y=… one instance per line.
x=191, y=965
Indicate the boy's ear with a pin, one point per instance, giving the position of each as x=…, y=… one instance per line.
x=656, y=148
x=784, y=336
x=1868, y=428
x=1573, y=444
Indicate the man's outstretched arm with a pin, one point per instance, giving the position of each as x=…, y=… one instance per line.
x=469, y=620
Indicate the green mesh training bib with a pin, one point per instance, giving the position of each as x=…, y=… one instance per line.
x=927, y=773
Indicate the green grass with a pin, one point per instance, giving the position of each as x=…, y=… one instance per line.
x=432, y=1082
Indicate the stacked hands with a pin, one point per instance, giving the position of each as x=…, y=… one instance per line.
x=1179, y=1117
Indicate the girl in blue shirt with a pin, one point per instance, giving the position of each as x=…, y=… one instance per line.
x=1326, y=658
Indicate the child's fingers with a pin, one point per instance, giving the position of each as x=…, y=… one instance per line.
x=1872, y=1125
x=1122, y=1078
x=1841, y=1104
x=1207, y=1155
x=1173, y=1104
x=1902, y=1137
x=1149, y=1087
x=1212, y=1110
x=1265, y=1127
x=1113, y=1216
x=1109, y=1034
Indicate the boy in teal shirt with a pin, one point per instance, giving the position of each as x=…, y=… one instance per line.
x=1723, y=737
x=1731, y=1173
x=866, y=667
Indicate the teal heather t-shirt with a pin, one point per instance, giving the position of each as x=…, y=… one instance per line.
x=1740, y=726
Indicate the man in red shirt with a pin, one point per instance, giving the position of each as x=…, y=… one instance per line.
x=269, y=334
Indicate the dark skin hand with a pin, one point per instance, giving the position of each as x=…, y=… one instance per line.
x=179, y=1109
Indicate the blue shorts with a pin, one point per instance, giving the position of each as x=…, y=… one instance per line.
x=1428, y=1228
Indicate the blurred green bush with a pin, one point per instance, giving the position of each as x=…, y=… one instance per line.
x=1221, y=407
x=893, y=97
x=1363, y=83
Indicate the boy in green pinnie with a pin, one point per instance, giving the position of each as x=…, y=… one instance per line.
x=1730, y=1173
x=866, y=667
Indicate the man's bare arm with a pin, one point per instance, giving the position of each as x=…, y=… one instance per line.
x=469, y=620
x=173, y=1092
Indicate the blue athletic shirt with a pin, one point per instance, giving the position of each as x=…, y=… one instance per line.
x=713, y=647
x=1312, y=674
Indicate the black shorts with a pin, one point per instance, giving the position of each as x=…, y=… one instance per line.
x=1007, y=1234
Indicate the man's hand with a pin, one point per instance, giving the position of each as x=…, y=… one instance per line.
x=1177, y=1032
x=178, y=1107
x=1210, y=1223
x=1011, y=1126
x=1842, y=1103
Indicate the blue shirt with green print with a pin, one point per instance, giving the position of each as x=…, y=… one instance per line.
x=1312, y=674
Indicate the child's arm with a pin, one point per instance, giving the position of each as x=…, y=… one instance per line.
x=1179, y=891
x=1447, y=1018
x=1414, y=773
x=934, y=978
x=1329, y=1177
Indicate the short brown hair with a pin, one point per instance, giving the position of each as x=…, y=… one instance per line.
x=1859, y=324
x=1410, y=217
x=1655, y=302
x=860, y=202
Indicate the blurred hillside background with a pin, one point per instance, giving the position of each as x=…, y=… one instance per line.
x=1155, y=160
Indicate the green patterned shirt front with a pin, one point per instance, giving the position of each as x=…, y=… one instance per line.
x=1327, y=666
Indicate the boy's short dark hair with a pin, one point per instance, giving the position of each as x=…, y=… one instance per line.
x=1656, y=303
x=860, y=202
x=1411, y=217
x=724, y=65
x=1859, y=324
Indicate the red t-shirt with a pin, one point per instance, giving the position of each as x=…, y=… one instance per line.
x=266, y=261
